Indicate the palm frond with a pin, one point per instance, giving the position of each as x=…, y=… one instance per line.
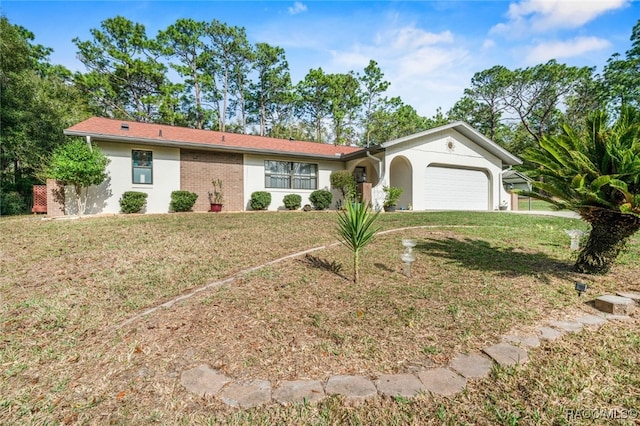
x=598, y=166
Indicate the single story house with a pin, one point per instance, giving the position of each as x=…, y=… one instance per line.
x=452, y=167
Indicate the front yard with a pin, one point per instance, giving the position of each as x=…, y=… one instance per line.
x=68, y=286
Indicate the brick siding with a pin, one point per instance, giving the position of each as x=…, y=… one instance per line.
x=199, y=168
x=55, y=207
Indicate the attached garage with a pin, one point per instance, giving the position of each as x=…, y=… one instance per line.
x=451, y=188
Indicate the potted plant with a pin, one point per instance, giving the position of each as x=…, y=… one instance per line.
x=215, y=197
x=391, y=198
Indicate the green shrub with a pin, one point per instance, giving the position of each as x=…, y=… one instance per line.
x=260, y=200
x=182, y=201
x=292, y=201
x=12, y=203
x=345, y=182
x=392, y=195
x=132, y=201
x=321, y=199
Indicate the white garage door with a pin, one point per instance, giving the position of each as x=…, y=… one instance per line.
x=456, y=189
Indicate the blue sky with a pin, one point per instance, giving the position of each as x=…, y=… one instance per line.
x=428, y=50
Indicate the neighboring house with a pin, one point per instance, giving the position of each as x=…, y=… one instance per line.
x=451, y=167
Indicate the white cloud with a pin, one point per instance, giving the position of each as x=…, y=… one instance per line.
x=538, y=16
x=297, y=7
x=566, y=49
x=488, y=44
x=426, y=69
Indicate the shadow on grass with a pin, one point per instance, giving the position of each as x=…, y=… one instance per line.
x=481, y=255
x=325, y=265
x=383, y=267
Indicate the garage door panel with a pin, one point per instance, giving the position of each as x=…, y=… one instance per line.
x=448, y=188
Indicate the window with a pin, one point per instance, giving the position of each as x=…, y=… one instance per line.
x=142, y=162
x=283, y=174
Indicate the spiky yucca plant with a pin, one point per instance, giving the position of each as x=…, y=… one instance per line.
x=596, y=173
x=356, y=229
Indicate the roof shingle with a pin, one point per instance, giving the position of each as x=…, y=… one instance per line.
x=165, y=135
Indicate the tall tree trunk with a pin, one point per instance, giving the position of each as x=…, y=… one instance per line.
x=610, y=231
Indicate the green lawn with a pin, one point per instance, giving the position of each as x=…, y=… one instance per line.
x=67, y=286
x=526, y=203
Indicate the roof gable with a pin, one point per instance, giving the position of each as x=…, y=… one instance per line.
x=165, y=135
x=470, y=133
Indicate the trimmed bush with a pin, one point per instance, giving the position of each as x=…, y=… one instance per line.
x=260, y=200
x=132, y=201
x=182, y=201
x=345, y=182
x=292, y=201
x=321, y=199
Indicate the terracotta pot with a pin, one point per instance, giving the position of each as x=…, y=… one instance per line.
x=216, y=207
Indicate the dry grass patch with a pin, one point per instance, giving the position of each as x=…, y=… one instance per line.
x=64, y=358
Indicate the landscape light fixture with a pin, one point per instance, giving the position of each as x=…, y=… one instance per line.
x=575, y=235
x=580, y=288
x=408, y=257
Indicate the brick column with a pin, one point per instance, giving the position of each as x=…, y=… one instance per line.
x=55, y=204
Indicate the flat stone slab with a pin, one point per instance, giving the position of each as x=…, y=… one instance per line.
x=506, y=354
x=615, y=304
x=568, y=326
x=471, y=365
x=548, y=333
x=392, y=385
x=629, y=295
x=591, y=320
x=527, y=341
x=442, y=381
x=296, y=391
x=246, y=394
x=354, y=388
x=203, y=380
x=612, y=317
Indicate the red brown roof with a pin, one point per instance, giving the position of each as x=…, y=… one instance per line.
x=160, y=134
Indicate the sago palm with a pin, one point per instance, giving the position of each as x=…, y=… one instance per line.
x=596, y=173
x=356, y=229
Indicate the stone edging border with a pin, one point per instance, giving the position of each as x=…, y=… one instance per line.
x=443, y=381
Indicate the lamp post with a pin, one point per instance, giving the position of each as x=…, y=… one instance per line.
x=408, y=257
x=575, y=235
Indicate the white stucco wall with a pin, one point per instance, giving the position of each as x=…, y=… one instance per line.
x=166, y=178
x=435, y=149
x=254, y=180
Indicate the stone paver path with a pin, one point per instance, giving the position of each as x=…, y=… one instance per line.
x=353, y=388
x=616, y=305
x=296, y=391
x=406, y=385
x=548, y=333
x=526, y=341
x=203, y=381
x=471, y=365
x=442, y=381
x=568, y=326
x=246, y=394
x=507, y=355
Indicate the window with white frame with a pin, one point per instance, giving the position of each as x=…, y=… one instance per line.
x=142, y=166
x=290, y=175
